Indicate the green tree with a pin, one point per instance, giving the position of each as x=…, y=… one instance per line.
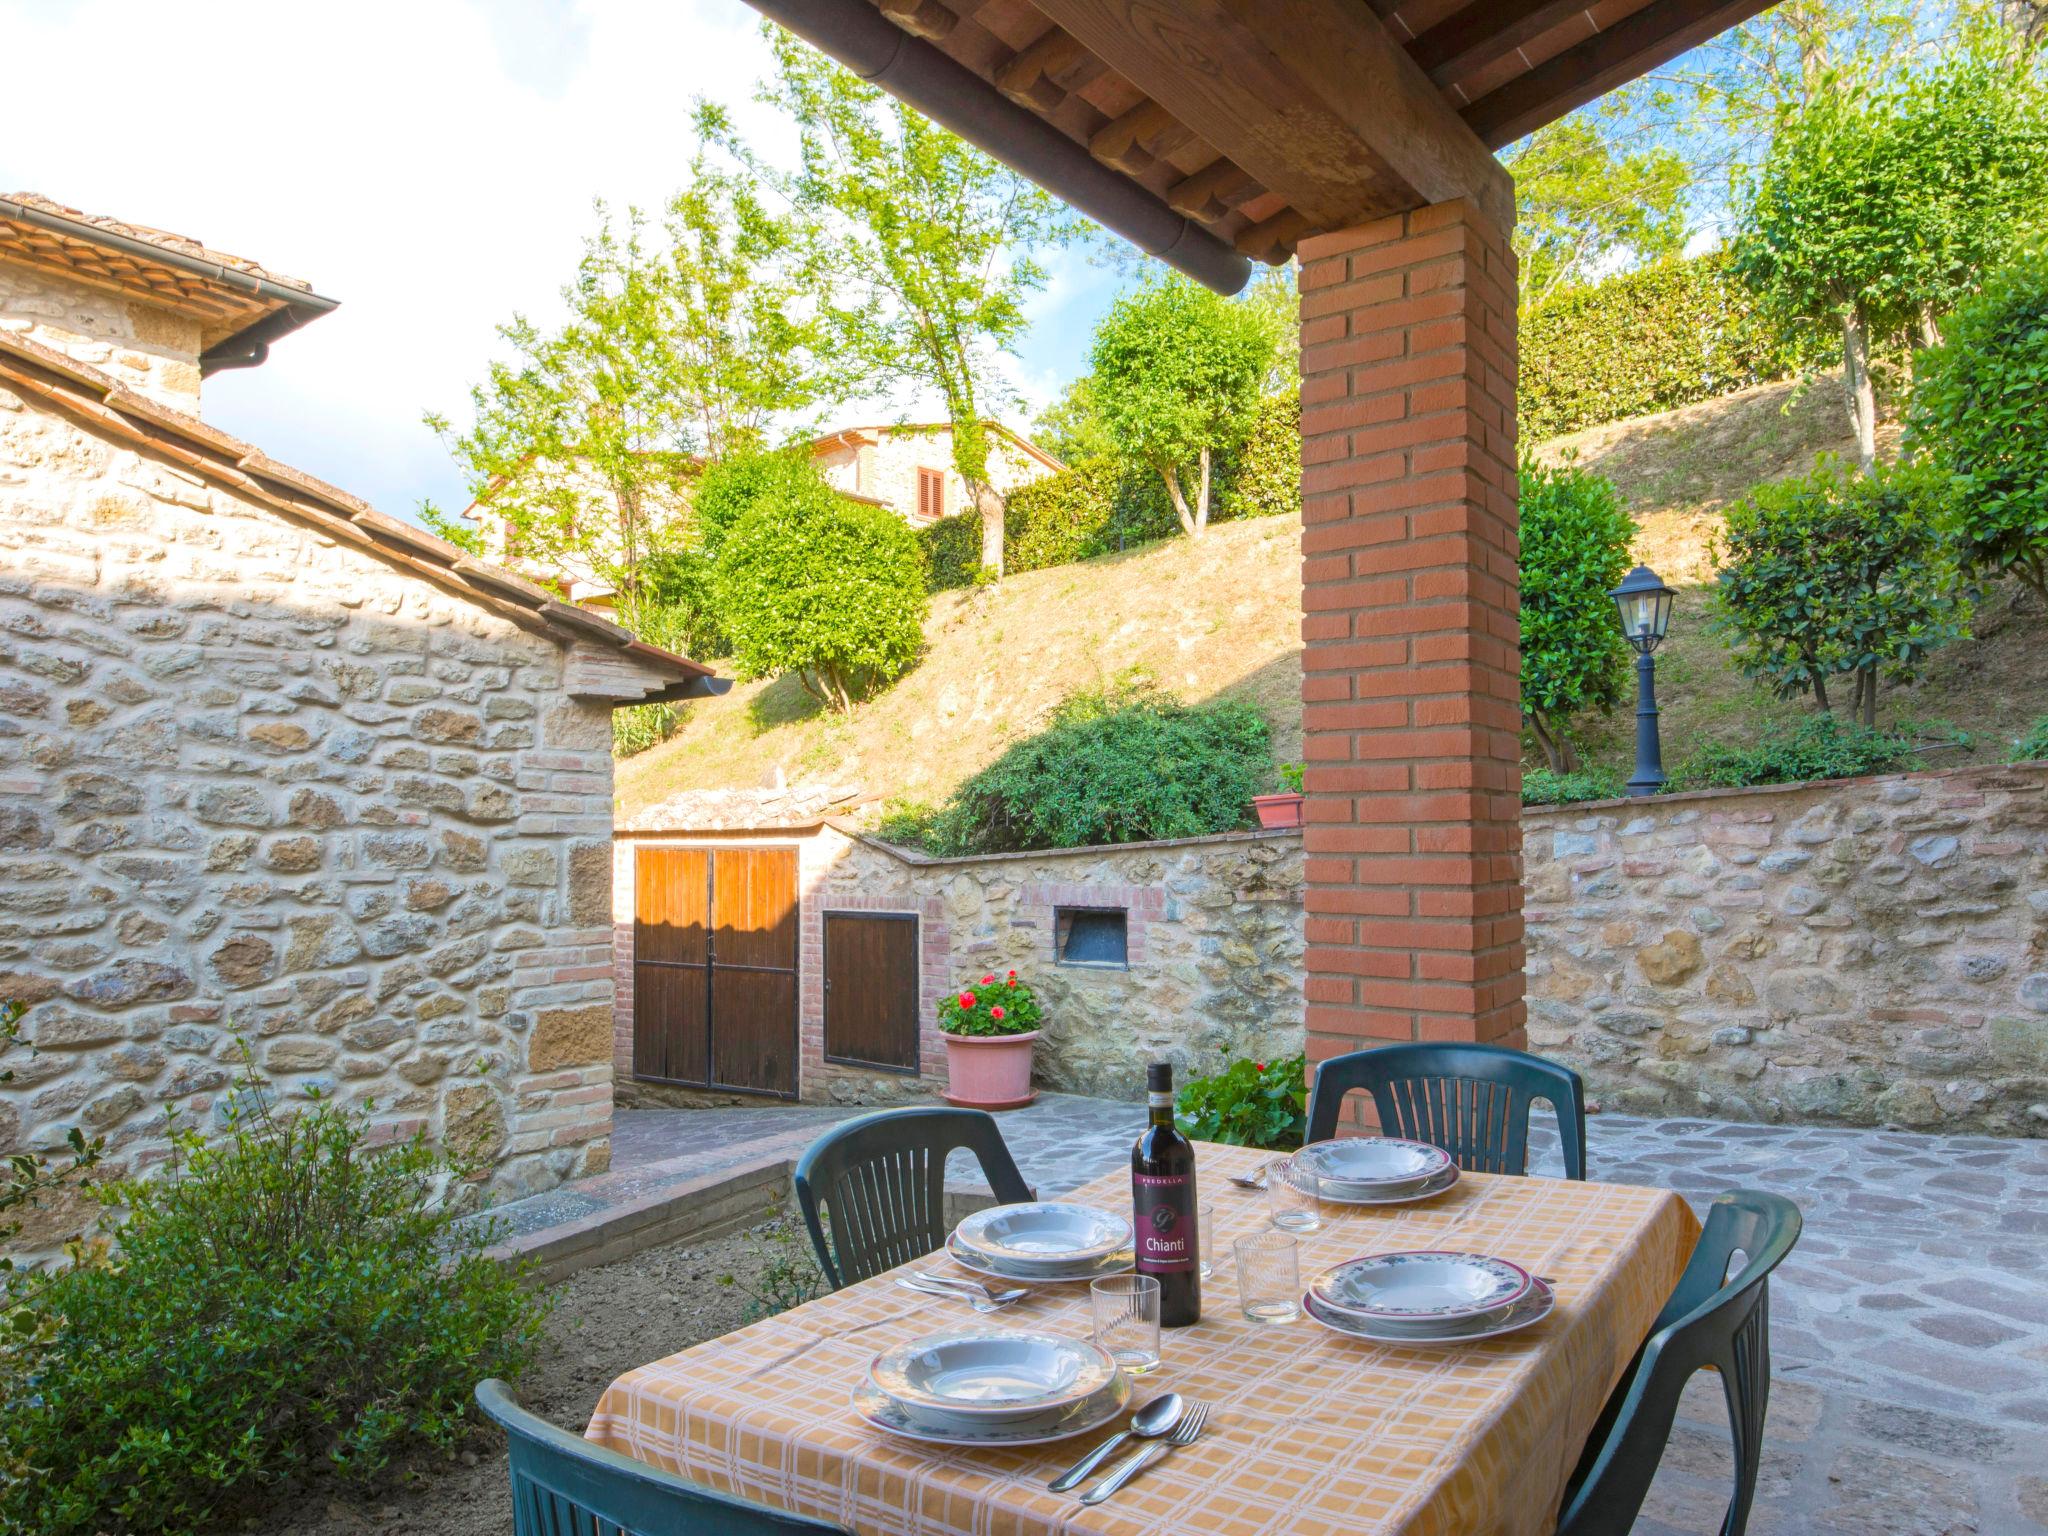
x=928, y=247
x=1586, y=195
x=1980, y=415
x=1575, y=551
x=1070, y=427
x=1838, y=574
x=1878, y=209
x=1178, y=371
x=816, y=586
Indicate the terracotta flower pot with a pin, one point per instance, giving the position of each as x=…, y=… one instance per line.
x=989, y=1071
x=1277, y=811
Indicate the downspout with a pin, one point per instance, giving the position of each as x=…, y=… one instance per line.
x=878, y=51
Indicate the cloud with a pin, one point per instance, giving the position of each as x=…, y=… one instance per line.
x=430, y=164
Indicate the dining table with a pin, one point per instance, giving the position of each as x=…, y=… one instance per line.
x=1311, y=1433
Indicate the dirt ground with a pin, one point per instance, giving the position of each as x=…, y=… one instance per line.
x=605, y=1322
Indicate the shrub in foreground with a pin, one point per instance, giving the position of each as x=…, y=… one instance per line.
x=2032, y=747
x=1575, y=551
x=1248, y=1104
x=1112, y=767
x=283, y=1301
x=1540, y=786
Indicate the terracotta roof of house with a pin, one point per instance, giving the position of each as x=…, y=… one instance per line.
x=241, y=307
x=826, y=440
x=110, y=410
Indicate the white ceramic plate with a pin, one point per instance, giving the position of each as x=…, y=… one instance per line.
x=1372, y=1165
x=1422, y=1285
x=1342, y=1194
x=1532, y=1308
x=876, y=1409
x=1088, y=1269
x=990, y=1375
x=1044, y=1233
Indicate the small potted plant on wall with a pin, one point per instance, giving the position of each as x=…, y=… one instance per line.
x=1276, y=811
x=989, y=1026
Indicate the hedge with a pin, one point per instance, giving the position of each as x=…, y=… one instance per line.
x=1653, y=339
x=1099, y=506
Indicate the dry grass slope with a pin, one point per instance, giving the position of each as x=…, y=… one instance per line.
x=1220, y=615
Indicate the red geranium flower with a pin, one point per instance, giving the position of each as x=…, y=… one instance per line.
x=966, y=999
x=996, y=1012
x=988, y=981
x=1260, y=1065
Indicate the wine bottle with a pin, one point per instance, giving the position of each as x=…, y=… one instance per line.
x=1166, y=1207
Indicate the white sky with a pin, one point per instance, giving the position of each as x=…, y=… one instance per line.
x=431, y=165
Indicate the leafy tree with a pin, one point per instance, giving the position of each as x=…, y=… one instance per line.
x=811, y=584
x=1587, y=195
x=1838, y=574
x=1071, y=427
x=1980, y=414
x=1575, y=551
x=1877, y=209
x=1178, y=371
x=927, y=245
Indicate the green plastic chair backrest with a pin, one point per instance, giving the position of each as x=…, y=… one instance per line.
x=1471, y=1100
x=1719, y=1316
x=873, y=1191
x=564, y=1485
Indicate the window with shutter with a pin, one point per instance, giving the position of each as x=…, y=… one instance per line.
x=931, y=493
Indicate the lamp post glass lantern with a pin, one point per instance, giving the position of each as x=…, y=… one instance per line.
x=1645, y=606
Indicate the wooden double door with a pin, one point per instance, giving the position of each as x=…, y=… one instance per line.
x=715, y=968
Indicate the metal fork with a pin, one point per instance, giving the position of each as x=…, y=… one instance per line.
x=987, y=1303
x=1187, y=1432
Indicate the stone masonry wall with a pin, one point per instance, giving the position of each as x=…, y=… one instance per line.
x=1865, y=952
x=1215, y=945
x=257, y=786
x=153, y=351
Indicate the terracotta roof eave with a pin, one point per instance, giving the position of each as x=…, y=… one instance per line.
x=101, y=401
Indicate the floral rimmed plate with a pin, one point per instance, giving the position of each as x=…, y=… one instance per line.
x=1342, y=1194
x=1087, y=1269
x=1369, y=1165
x=875, y=1408
x=993, y=1375
x=1041, y=1234
x=1531, y=1309
x=1422, y=1284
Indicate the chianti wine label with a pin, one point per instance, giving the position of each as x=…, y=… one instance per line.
x=1165, y=1212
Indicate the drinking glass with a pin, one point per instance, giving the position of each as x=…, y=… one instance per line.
x=1293, y=1196
x=1206, y=1230
x=1269, y=1277
x=1126, y=1311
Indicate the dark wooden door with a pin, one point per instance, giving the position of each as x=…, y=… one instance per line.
x=715, y=968
x=871, y=989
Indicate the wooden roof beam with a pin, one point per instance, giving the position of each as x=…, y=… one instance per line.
x=1312, y=98
x=1629, y=49
x=1471, y=39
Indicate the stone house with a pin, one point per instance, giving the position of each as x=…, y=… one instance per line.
x=909, y=468
x=278, y=773
x=1187, y=951
x=906, y=468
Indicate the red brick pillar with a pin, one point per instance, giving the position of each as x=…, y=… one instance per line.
x=1409, y=622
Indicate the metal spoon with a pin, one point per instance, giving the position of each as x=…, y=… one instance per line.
x=1252, y=1180
x=1150, y=1422
x=972, y=1287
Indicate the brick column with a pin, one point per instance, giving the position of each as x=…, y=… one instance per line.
x=1409, y=621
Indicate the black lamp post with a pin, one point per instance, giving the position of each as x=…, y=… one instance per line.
x=1645, y=604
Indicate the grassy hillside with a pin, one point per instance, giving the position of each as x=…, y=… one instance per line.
x=1220, y=615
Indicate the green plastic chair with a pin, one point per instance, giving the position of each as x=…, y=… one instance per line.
x=1471, y=1100
x=878, y=1185
x=1718, y=1316
x=563, y=1485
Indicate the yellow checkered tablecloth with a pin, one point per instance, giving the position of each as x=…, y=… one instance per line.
x=1312, y=1434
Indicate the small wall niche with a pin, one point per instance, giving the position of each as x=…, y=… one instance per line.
x=1092, y=936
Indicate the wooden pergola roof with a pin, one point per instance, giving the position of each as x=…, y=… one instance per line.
x=1261, y=121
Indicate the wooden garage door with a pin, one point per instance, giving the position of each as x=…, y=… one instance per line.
x=871, y=989
x=715, y=968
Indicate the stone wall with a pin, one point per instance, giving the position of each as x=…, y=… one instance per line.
x=886, y=468
x=1864, y=952
x=1215, y=944
x=153, y=351
x=260, y=786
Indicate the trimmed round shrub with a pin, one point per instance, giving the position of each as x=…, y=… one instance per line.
x=1575, y=543
x=951, y=548
x=831, y=591
x=1980, y=414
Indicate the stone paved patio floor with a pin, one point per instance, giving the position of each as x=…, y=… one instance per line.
x=1909, y=1328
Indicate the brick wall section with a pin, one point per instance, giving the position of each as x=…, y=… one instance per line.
x=1409, y=622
